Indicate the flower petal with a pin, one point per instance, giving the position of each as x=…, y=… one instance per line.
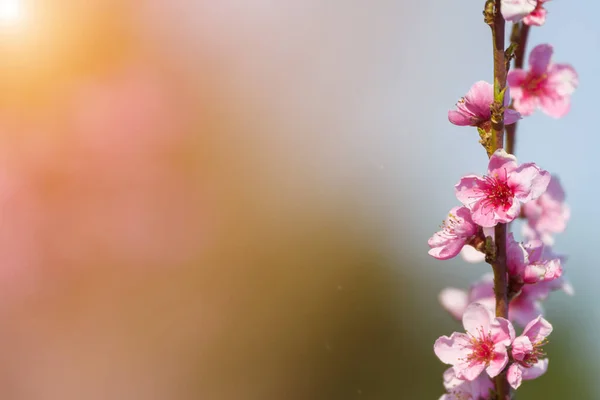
x=537, y=330
x=555, y=107
x=483, y=288
x=514, y=376
x=444, y=248
x=468, y=190
x=536, y=370
x=458, y=228
x=451, y=350
x=516, y=256
x=499, y=361
x=450, y=379
x=526, y=104
x=479, y=99
x=502, y=331
x=535, y=249
x=458, y=118
x=484, y=214
x=460, y=217
x=511, y=116
x=469, y=371
x=501, y=163
x=563, y=78
x=523, y=308
x=511, y=214
x=471, y=255
x=539, y=58
x=521, y=346
x=516, y=80
x=480, y=387
x=536, y=18
x=455, y=301
x=476, y=318
x=515, y=10
x=533, y=273
x=528, y=182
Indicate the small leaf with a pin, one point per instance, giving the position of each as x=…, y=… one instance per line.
x=510, y=52
x=499, y=96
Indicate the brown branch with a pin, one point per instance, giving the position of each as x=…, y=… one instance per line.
x=521, y=46
x=494, y=19
x=501, y=295
x=519, y=36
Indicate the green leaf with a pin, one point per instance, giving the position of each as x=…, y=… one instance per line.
x=499, y=94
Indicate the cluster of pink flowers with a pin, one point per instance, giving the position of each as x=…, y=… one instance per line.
x=490, y=344
x=545, y=85
x=508, y=191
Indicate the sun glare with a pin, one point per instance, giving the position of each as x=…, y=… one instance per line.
x=11, y=11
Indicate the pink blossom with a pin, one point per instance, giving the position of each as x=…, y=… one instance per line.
x=497, y=197
x=482, y=347
x=526, y=306
x=527, y=352
x=538, y=16
x=472, y=255
x=459, y=389
x=457, y=230
x=527, y=264
x=515, y=10
x=547, y=215
x=546, y=85
x=517, y=258
x=474, y=108
x=456, y=301
x=542, y=289
x=539, y=268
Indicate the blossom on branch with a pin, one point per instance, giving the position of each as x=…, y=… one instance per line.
x=483, y=347
x=459, y=389
x=456, y=301
x=547, y=215
x=474, y=108
x=516, y=10
x=527, y=352
x=457, y=230
x=546, y=85
x=538, y=16
x=497, y=197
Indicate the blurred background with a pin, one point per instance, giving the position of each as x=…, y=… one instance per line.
x=232, y=199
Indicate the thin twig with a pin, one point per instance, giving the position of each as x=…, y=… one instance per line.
x=520, y=36
x=494, y=18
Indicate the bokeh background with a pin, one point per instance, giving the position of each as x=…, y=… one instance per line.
x=231, y=199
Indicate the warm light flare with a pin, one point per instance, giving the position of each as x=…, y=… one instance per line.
x=11, y=11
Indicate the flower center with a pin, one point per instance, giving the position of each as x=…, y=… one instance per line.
x=534, y=356
x=498, y=193
x=535, y=84
x=450, y=224
x=483, y=348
